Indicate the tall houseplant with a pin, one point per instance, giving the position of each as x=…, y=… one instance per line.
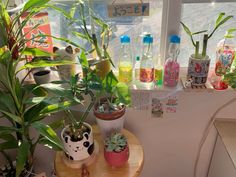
x=199, y=62
x=25, y=106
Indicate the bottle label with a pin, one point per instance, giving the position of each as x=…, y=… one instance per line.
x=224, y=62
x=171, y=74
x=146, y=74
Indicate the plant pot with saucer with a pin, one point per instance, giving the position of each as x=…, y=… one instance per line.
x=116, y=150
x=199, y=63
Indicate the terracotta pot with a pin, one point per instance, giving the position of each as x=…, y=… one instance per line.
x=78, y=149
x=198, y=70
x=109, y=122
x=117, y=159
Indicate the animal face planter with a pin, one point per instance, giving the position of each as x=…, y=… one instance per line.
x=65, y=71
x=198, y=70
x=78, y=149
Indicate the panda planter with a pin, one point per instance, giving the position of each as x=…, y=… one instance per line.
x=78, y=149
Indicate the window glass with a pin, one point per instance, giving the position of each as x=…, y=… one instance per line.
x=202, y=16
x=132, y=26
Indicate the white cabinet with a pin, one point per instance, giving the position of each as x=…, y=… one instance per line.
x=224, y=155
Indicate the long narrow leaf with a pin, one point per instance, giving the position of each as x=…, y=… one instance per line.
x=8, y=145
x=12, y=116
x=219, y=18
x=36, y=52
x=48, y=133
x=186, y=29
x=199, y=32
x=22, y=156
x=49, y=144
x=34, y=3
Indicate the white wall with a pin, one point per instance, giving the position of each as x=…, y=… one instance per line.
x=170, y=144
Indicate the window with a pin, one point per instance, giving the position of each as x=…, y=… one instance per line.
x=132, y=26
x=201, y=16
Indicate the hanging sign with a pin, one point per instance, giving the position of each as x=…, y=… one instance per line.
x=42, y=42
x=129, y=9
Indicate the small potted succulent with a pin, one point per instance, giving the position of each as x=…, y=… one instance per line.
x=199, y=63
x=116, y=150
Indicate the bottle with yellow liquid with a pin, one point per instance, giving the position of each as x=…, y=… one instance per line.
x=125, y=62
x=158, y=73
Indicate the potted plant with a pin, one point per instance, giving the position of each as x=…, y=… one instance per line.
x=25, y=106
x=77, y=137
x=111, y=105
x=199, y=63
x=93, y=30
x=116, y=150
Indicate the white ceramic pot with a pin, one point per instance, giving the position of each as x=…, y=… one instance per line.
x=198, y=70
x=42, y=76
x=78, y=150
x=109, y=126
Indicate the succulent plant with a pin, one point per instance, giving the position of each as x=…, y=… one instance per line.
x=116, y=142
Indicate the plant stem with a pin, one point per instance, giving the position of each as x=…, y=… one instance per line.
x=196, y=49
x=204, y=49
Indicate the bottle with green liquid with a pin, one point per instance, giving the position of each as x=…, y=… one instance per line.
x=158, y=73
x=125, y=62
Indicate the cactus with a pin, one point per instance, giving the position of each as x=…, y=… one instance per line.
x=116, y=142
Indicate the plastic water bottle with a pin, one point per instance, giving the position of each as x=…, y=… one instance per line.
x=146, y=65
x=225, y=54
x=171, y=67
x=137, y=68
x=125, y=62
x=158, y=73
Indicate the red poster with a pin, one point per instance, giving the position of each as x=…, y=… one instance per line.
x=44, y=43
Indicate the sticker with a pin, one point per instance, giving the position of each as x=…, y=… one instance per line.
x=171, y=104
x=157, y=108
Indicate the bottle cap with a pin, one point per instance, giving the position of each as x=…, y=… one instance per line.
x=175, y=39
x=148, y=39
x=137, y=58
x=125, y=39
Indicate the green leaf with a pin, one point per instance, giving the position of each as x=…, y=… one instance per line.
x=186, y=29
x=22, y=157
x=57, y=107
x=34, y=3
x=220, y=16
x=48, y=133
x=49, y=144
x=224, y=21
x=66, y=14
x=57, y=124
x=8, y=145
x=123, y=93
x=99, y=22
x=7, y=130
x=109, y=82
x=36, y=52
x=7, y=137
x=83, y=60
x=199, y=32
x=34, y=100
x=43, y=63
x=12, y=116
x=80, y=35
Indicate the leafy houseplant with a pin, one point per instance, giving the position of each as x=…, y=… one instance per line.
x=110, y=108
x=25, y=106
x=199, y=62
x=116, y=150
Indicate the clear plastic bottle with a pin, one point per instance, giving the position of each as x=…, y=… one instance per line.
x=137, y=68
x=225, y=54
x=146, y=65
x=171, y=67
x=125, y=62
x=158, y=73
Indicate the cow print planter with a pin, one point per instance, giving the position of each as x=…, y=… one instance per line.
x=78, y=149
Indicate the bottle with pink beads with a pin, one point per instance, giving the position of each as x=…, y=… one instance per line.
x=171, y=67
